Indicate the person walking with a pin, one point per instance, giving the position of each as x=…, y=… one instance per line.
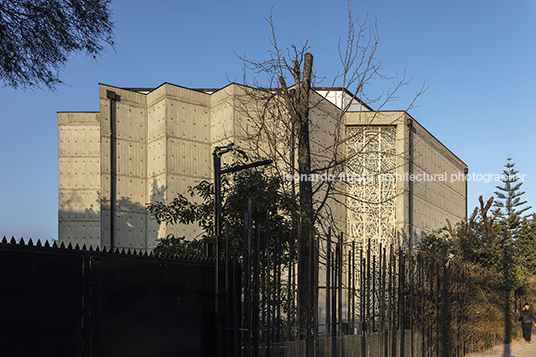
x=527, y=317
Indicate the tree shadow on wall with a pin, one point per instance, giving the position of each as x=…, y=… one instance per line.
x=133, y=225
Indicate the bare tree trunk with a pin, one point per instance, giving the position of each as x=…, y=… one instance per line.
x=289, y=140
x=297, y=101
x=300, y=113
x=304, y=150
x=306, y=190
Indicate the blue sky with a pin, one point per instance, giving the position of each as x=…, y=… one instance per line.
x=477, y=59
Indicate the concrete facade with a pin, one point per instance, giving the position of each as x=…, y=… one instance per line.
x=163, y=142
x=430, y=186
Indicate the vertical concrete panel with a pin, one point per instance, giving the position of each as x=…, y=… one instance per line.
x=130, y=124
x=81, y=233
x=131, y=160
x=79, y=205
x=156, y=117
x=105, y=227
x=129, y=234
x=183, y=122
x=131, y=194
x=436, y=197
x=403, y=162
x=78, y=172
x=78, y=178
x=78, y=140
x=156, y=192
x=222, y=125
x=188, y=158
x=200, y=128
x=188, y=122
x=157, y=157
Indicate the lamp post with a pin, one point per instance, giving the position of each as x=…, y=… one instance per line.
x=114, y=98
x=216, y=155
x=216, y=237
x=218, y=172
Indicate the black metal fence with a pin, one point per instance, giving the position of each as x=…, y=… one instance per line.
x=65, y=301
x=390, y=304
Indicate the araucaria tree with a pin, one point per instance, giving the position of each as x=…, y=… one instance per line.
x=509, y=207
x=37, y=38
x=500, y=241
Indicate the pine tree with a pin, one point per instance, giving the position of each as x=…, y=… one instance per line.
x=509, y=209
x=508, y=206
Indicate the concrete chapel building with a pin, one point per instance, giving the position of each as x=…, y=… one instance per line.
x=163, y=139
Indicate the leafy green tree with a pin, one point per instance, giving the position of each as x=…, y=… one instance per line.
x=527, y=242
x=502, y=242
x=179, y=246
x=37, y=38
x=480, y=242
x=475, y=240
x=437, y=243
x=526, y=245
x=265, y=191
x=508, y=206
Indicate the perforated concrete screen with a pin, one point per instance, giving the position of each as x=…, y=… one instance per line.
x=372, y=185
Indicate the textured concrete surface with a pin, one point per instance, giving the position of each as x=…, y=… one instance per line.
x=515, y=349
x=164, y=140
x=438, y=194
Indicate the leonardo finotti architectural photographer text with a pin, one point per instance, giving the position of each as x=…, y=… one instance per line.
x=443, y=177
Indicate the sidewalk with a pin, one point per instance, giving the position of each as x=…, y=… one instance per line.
x=516, y=349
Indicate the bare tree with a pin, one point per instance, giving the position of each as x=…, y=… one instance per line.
x=278, y=124
x=290, y=122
